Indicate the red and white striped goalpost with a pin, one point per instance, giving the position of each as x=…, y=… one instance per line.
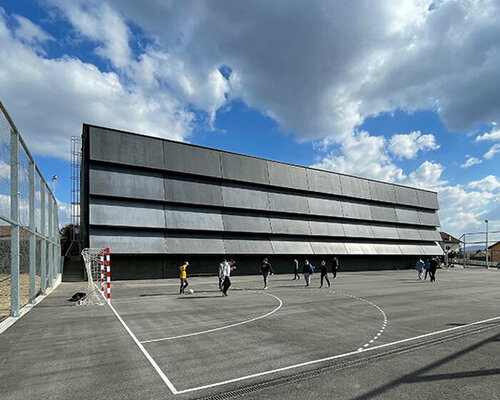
x=108, y=276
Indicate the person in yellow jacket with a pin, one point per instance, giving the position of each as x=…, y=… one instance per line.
x=183, y=277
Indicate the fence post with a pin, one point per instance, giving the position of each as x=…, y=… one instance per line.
x=14, y=215
x=50, y=245
x=465, y=252
x=43, y=246
x=32, y=234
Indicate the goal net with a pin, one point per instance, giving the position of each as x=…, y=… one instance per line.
x=97, y=269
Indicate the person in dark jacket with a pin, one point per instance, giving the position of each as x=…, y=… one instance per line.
x=432, y=269
x=324, y=273
x=307, y=271
x=335, y=266
x=266, y=269
x=295, y=269
x=427, y=266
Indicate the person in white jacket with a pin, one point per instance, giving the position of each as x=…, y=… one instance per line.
x=419, y=266
x=226, y=274
x=220, y=274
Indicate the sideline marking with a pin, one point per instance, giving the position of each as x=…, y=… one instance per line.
x=222, y=327
x=332, y=357
x=145, y=352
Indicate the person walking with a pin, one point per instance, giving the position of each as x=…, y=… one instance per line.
x=266, y=269
x=335, y=267
x=419, y=266
x=183, y=277
x=220, y=274
x=427, y=266
x=296, y=269
x=324, y=274
x=432, y=269
x=307, y=271
x=227, y=267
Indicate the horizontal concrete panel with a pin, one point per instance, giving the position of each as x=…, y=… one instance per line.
x=288, y=176
x=324, y=228
x=428, y=218
x=245, y=223
x=191, y=159
x=360, y=248
x=327, y=207
x=358, y=230
x=382, y=192
x=330, y=248
x=411, y=249
x=291, y=247
x=193, y=219
x=409, y=234
x=183, y=245
x=355, y=187
x=122, y=213
x=323, y=182
x=407, y=216
x=289, y=226
x=288, y=203
x=355, y=210
x=427, y=199
x=245, y=198
x=248, y=246
x=385, y=232
x=126, y=184
x=432, y=249
x=387, y=249
x=405, y=195
x=128, y=242
x=430, y=234
x=242, y=168
x=124, y=148
x=383, y=213
x=190, y=192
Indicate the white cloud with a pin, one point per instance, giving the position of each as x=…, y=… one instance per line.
x=492, y=151
x=427, y=176
x=494, y=134
x=30, y=33
x=470, y=162
x=489, y=183
x=408, y=145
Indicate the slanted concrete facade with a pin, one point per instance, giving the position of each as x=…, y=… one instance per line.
x=157, y=202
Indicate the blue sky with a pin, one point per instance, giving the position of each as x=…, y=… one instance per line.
x=407, y=94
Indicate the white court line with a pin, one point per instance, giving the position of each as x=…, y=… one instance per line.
x=222, y=327
x=273, y=371
x=145, y=352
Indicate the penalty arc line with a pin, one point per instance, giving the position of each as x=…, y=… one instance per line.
x=356, y=352
x=222, y=327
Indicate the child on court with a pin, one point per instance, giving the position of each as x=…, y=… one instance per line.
x=324, y=274
x=183, y=277
x=266, y=269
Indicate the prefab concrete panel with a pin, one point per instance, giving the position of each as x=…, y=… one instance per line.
x=289, y=226
x=246, y=223
x=191, y=245
x=324, y=228
x=193, y=219
x=360, y=248
x=387, y=249
x=355, y=187
x=248, y=246
x=244, y=198
x=323, y=182
x=432, y=249
x=358, y=230
x=291, y=247
x=404, y=195
x=383, y=213
x=191, y=159
x=409, y=234
x=355, y=210
x=411, y=249
x=428, y=218
x=126, y=184
x=242, y=168
x=128, y=242
x=124, y=148
x=288, y=176
x=288, y=203
x=430, y=235
x=327, y=207
x=407, y=216
x=385, y=232
x=427, y=199
x=330, y=248
x=191, y=192
x=433, y=200
x=382, y=192
x=122, y=213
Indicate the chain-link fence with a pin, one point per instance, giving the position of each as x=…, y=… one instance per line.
x=29, y=236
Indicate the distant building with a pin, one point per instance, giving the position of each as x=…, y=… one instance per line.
x=449, y=243
x=494, y=251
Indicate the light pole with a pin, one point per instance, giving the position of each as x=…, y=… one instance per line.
x=486, y=221
x=54, y=179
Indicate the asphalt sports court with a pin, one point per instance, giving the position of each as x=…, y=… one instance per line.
x=204, y=345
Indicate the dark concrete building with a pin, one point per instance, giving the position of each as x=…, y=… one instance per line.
x=158, y=202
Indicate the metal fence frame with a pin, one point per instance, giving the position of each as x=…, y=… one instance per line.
x=50, y=249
